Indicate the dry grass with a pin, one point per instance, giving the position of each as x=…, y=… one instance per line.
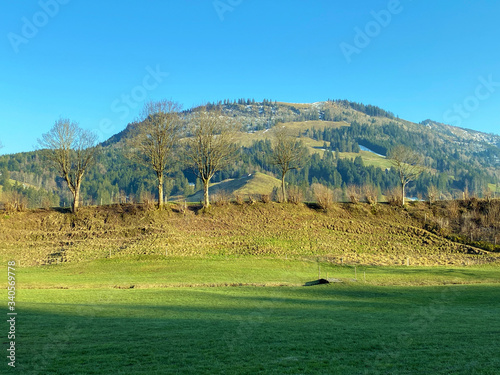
x=346, y=232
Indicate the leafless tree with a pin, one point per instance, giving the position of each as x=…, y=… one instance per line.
x=72, y=150
x=432, y=194
x=211, y=145
x=155, y=139
x=288, y=153
x=408, y=165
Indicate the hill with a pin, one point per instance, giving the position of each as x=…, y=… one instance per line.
x=251, y=184
x=351, y=234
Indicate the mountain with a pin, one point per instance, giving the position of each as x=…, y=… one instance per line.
x=380, y=129
x=347, y=141
x=463, y=134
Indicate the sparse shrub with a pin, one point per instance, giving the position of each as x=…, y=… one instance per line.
x=323, y=195
x=468, y=226
x=432, y=194
x=443, y=224
x=265, y=198
x=15, y=201
x=238, y=198
x=394, y=197
x=122, y=197
x=183, y=208
x=148, y=199
x=338, y=195
x=370, y=194
x=375, y=209
x=453, y=209
x=252, y=199
x=275, y=195
x=487, y=194
x=46, y=203
x=466, y=194
x=221, y=198
x=353, y=193
x=295, y=195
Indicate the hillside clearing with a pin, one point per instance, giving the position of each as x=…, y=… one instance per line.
x=254, y=183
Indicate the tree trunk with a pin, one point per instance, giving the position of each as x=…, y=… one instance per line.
x=76, y=198
x=402, y=194
x=206, y=201
x=283, y=188
x=160, y=192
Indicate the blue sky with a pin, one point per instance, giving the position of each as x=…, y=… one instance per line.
x=96, y=62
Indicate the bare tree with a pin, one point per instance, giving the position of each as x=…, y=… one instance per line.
x=211, y=146
x=288, y=153
x=408, y=166
x=72, y=150
x=432, y=194
x=156, y=137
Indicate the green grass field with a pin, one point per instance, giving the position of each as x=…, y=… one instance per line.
x=175, y=315
x=149, y=271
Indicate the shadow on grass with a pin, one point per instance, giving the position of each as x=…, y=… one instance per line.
x=294, y=330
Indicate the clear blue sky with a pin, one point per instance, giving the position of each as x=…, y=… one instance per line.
x=96, y=61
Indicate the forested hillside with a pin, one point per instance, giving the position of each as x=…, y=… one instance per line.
x=347, y=142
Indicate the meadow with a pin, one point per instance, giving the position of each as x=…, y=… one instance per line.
x=255, y=316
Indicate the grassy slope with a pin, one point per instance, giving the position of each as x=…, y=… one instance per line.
x=354, y=234
x=256, y=183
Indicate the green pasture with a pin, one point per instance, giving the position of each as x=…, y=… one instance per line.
x=328, y=329
x=249, y=315
x=151, y=271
